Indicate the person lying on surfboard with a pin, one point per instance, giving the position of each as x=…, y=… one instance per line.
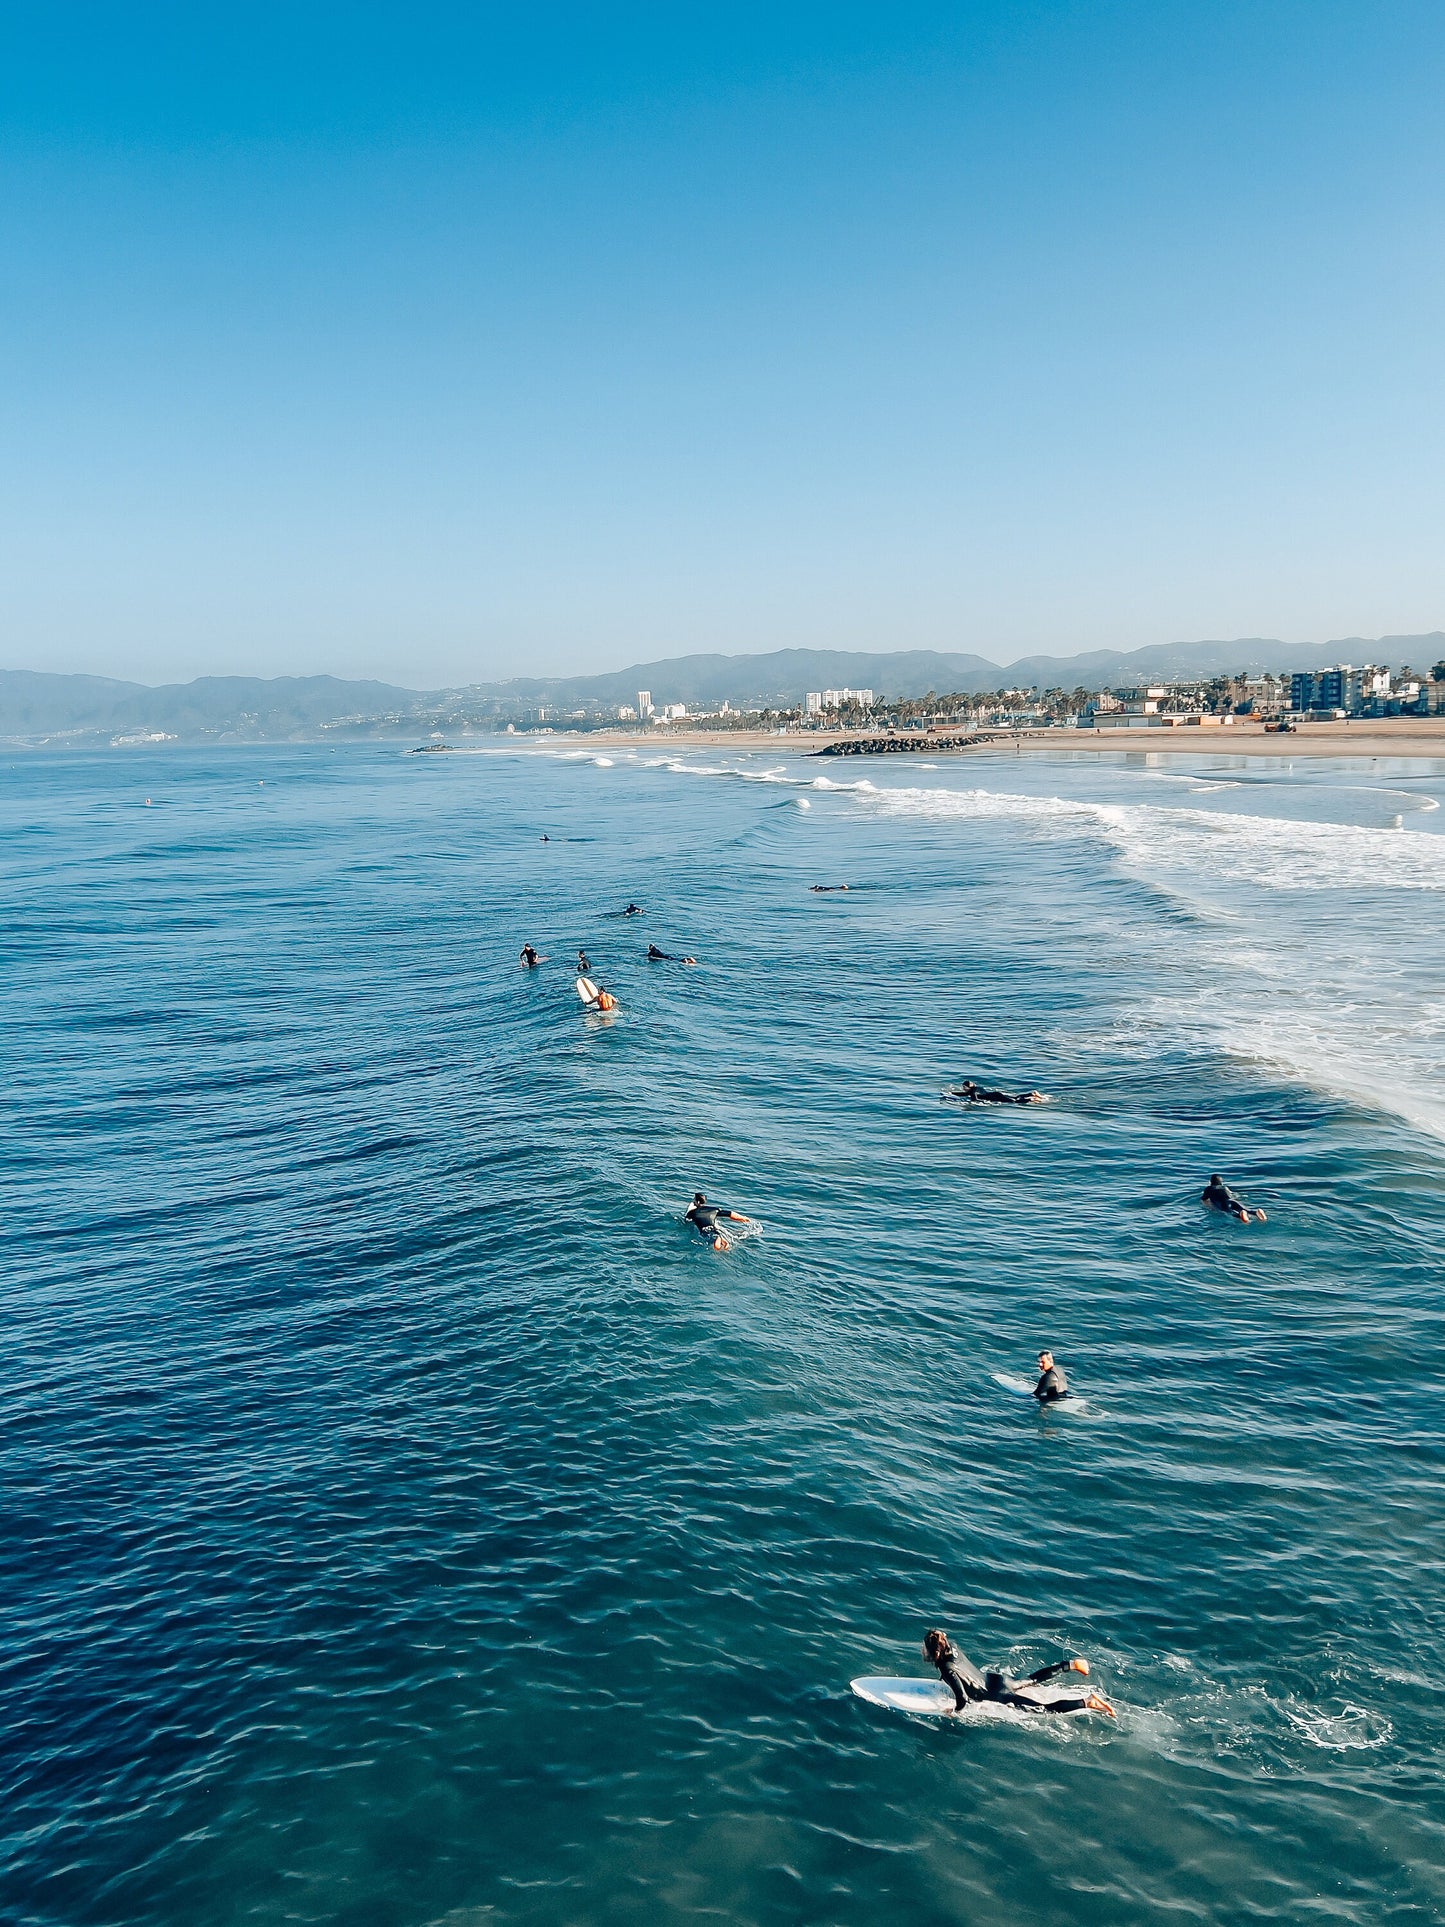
x=1218, y=1194
x=970, y=1093
x=654, y=955
x=966, y=1683
x=704, y=1216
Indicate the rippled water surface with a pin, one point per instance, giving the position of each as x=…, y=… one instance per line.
x=408, y=1522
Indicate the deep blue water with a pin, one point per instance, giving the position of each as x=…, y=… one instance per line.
x=406, y=1522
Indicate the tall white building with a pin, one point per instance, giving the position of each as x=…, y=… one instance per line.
x=644, y=702
x=813, y=703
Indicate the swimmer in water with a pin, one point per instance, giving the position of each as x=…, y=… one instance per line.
x=1052, y=1383
x=1218, y=1194
x=584, y=969
x=966, y=1683
x=823, y=889
x=654, y=955
x=704, y=1218
x=970, y=1093
x=530, y=959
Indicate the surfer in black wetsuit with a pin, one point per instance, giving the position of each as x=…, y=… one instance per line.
x=825, y=889
x=704, y=1218
x=633, y=910
x=1052, y=1384
x=530, y=959
x=1218, y=1194
x=654, y=955
x=970, y=1093
x=584, y=969
x=966, y=1683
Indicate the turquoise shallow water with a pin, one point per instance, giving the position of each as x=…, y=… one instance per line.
x=406, y=1522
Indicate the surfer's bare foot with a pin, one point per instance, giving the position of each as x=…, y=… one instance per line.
x=1259, y=1216
x=1078, y=1666
x=1096, y=1703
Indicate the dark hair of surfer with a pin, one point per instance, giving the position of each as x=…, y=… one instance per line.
x=934, y=1642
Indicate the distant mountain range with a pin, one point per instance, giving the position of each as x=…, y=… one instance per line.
x=36, y=707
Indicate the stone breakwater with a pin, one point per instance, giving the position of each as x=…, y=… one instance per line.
x=899, y=745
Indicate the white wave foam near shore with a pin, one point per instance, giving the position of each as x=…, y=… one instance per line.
x=1273, y=852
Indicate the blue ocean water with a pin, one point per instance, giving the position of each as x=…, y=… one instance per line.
x=409, y=1524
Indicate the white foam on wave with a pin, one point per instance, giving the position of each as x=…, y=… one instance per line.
x=1273, y=853
x=601, y=762
x=1352, y=1729
x=1297, y=996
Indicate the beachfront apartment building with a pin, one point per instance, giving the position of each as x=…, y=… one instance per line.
x=644, y=703
x=817, y=701
x=1366, y=691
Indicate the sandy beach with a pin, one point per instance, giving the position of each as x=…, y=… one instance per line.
x=1393, y=736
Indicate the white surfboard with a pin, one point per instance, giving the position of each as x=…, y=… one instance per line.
x=587, y=990
x=1016, y=1382
x=922, y=1696
x=930, y=1699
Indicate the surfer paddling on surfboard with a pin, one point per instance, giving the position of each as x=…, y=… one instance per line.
x=1218, y=1194
x=704, y=1218
x=970, y=1093
x=966, y=1683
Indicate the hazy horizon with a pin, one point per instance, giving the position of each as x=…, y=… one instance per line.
x=454, y=348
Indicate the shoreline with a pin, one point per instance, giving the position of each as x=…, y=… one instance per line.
x=1403, y=736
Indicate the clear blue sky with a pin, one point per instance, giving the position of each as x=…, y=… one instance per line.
x=446, y=342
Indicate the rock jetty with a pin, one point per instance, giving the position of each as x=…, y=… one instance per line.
x=908, y=745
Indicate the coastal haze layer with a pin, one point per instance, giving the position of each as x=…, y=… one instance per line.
x=411, y=1521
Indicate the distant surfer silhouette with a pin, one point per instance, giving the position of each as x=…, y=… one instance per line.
x=704, y=1218
x=1218, y=1194
x=970, y=1093
x=1052, y=1385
